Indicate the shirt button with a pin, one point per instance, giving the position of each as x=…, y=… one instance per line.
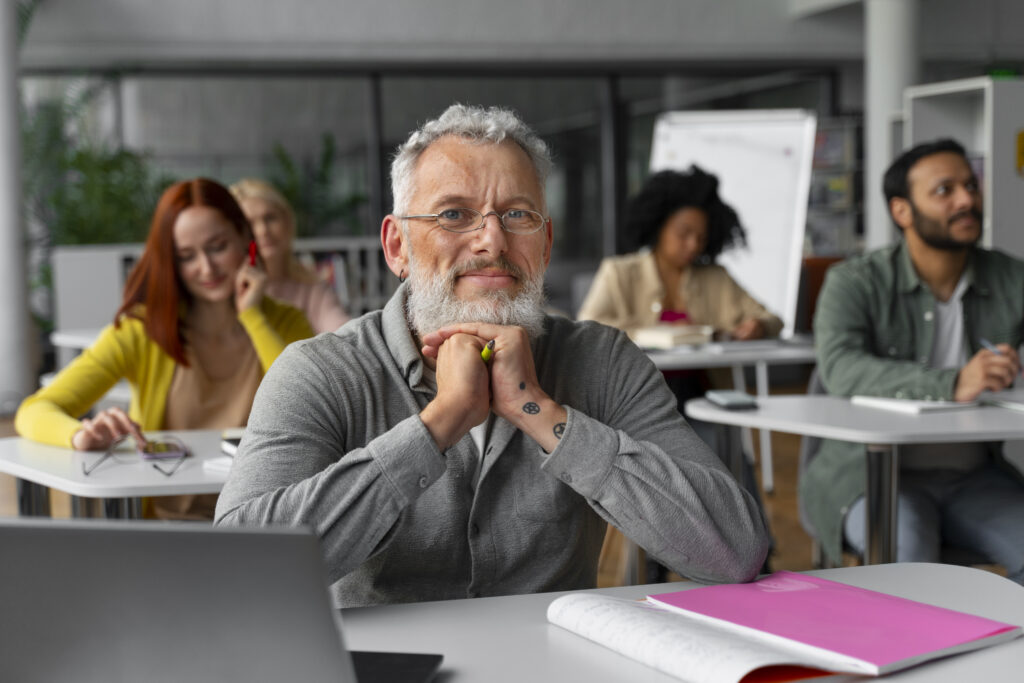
x=566, y=477
x=892, y=350
x=928, y=315
x=899, y=394
x=923, y=359
x=927, y=397
x=656, y=307
x=424, y=481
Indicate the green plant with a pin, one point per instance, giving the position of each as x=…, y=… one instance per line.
x=108, y=197
x=311, y=190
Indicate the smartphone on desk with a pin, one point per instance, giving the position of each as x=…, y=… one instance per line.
x=730, y=399
x=161, y=450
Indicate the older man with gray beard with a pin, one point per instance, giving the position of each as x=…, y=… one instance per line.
x=432, y=471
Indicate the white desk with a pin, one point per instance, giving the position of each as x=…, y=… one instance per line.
x=834, y=417
x=509, y=638
x=127, y=477
x=75, y=339
x=736, y=354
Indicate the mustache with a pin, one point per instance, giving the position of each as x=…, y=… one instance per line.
x=501, y=263
x=974, y=213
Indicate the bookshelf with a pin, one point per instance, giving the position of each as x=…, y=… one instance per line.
x=835, y=207
x=986, y=115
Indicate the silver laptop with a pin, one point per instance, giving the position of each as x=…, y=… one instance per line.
x=108, y=601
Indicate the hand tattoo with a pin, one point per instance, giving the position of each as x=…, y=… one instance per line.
x=531, y=408
x=522, y=385
x=559, y=429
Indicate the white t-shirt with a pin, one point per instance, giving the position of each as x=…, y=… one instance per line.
x=949, y=350
x=480, y=434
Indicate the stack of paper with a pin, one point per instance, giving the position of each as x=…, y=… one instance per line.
x=219, y=464
x=668, y=336
x=906, y=405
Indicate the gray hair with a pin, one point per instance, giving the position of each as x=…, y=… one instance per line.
x=476, y=124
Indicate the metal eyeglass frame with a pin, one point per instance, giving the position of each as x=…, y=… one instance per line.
x=483, y=219
x=110, y=453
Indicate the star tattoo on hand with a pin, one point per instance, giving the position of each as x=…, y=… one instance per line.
x=559, y=429
x=531, y=408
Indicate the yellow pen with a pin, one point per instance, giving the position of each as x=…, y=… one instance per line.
x=488, y=351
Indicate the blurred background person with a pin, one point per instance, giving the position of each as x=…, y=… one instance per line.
x=682, y=226
x=273, y=224
x=193, y=336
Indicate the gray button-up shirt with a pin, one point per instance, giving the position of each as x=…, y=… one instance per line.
x=335, y=442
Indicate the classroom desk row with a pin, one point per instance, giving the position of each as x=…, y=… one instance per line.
x=759, y=354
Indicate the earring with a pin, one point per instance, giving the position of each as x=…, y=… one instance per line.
x=401, y=276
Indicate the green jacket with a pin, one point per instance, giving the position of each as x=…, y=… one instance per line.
x=874, y=331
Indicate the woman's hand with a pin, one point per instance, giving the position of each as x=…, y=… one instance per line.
x=107, y=427
x=748, y=329
x=250, y=282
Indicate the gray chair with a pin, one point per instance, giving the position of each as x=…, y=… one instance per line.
x=809, y=447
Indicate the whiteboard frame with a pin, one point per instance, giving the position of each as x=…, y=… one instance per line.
x=806, y=122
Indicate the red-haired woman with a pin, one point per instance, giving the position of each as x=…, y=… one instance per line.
x=194, y=336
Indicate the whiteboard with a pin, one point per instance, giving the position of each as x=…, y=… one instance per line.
x=762, y=158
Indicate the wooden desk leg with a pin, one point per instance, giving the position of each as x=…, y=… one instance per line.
x=33, y=499
x=767, y=480
x=880, y=503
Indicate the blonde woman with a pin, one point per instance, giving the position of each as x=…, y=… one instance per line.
x=273, y=225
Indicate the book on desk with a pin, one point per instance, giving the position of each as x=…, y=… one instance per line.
x=1011, y=399
x=786, y=626
x=670, y=336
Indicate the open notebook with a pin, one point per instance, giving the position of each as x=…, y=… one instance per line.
x=103, y=601
x=785, y=626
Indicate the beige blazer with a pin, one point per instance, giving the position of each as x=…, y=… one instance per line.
x=627, y=293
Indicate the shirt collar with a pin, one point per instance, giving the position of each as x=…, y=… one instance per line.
x=909, y=279
x=399, y=338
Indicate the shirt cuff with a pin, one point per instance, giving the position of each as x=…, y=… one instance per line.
x=408, y=457
x=585, y=455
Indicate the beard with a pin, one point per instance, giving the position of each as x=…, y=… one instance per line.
x=936, y=233
x=433, y=304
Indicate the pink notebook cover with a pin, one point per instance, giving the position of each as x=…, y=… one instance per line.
x=878, y=628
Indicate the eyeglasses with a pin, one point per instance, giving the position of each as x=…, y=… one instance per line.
x=515, y=221
x=171, y=447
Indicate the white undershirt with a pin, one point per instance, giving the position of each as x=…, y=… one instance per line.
x=949, y=350
x=948, y=347
x=479, y=434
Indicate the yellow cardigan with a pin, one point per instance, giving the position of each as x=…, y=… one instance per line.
x=627, y=293
x=49, y=415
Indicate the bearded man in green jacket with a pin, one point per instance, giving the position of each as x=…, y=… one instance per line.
x=933, y=317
